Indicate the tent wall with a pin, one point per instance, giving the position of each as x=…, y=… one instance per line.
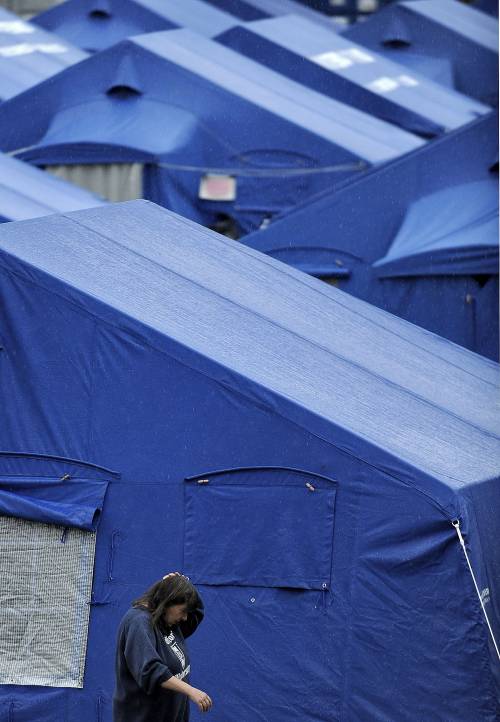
x=160, y=423
x=370, y=646
x=115, y=182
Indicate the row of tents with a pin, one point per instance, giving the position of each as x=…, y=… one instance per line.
x=235, y=130
x=325, y=472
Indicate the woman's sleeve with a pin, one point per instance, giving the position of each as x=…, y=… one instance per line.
x=194, y=620
x=143, y=661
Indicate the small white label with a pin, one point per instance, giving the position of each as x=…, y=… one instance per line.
x=342, y=59
x=214, y=187
x=383, y=85
x=358, y=55
x=485, y=595
x=407, y=81
x=332, y=61
x=11, y=51
x=15, y=27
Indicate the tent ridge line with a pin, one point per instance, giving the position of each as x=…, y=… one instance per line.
x=269, y=261
x=349, y=362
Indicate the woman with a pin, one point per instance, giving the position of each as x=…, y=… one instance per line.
x=152, y=662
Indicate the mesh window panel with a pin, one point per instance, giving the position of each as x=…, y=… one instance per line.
x=45, y=589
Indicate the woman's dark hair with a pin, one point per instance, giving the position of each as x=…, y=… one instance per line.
x=165, y=593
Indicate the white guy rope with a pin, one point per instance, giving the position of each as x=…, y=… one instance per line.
x=456, y=524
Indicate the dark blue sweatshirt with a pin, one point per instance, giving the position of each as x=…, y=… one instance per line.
x=146, y=657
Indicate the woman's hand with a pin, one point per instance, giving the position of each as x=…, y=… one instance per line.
x=201, y=699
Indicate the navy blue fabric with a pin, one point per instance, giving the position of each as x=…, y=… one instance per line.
x=452, y=232
x=368, y=214
x=29, y=55
x=290, y=529
x=198, y=107
x=343, y=70
x=27, y=192
x=53, y=501
x=437, y=30
x=140, y=341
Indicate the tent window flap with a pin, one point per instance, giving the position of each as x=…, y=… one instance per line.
x=46, y=573
x=69, y=502
x=260, y=528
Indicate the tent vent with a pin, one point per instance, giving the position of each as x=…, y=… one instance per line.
x=396, y=43
x=123, y=92
x=99, y=15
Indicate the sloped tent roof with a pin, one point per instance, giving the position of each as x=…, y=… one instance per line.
x=98, y=24
x=289, y=7
x=342, y=234
x=414, y=31
x=29, y=55
x=423, y=412
x=335, y=66
x=178, y=99
x=27, y=192
x=451, y=232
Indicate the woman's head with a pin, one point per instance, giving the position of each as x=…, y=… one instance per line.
x=169, y=601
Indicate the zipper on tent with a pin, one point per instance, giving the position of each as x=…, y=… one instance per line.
x=456, y=524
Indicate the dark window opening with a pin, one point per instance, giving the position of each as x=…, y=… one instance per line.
x=226, y=226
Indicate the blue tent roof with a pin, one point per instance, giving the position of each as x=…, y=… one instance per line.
x=101, y=23
x=341, y=234
x=337, y=67
x=26, y=192
x=247, y=370
x=453, y=231
x=29, y=55
x=176, y=268
x=438, y=29
x=180, y=99
x=276, y=8
x=98, y=24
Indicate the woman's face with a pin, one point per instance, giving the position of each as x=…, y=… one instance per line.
x=175, y=614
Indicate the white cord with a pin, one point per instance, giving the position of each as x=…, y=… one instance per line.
x=456, y=524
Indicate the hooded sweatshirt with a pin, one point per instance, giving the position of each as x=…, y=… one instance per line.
x=146, y=657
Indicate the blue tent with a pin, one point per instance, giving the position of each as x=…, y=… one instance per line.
x=488, y=6
x=337, y=445
x=198, y=115
x=430, y=216
x=271, y=8
x=349, y=9
x=27, y=192
x=335, y=66
x=29, y=55
x=419, y=32
x=98, y=24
